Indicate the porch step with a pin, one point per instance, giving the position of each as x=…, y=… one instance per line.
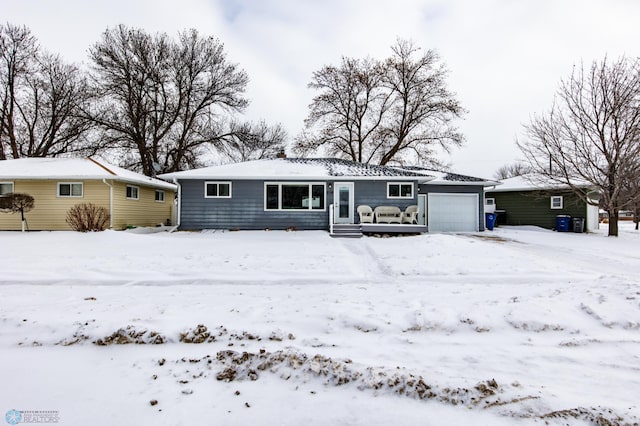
x=347, y=231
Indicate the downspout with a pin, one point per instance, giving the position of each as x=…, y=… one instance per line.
x=110, y=202
x=175, y=181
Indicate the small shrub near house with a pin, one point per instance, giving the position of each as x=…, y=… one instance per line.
x=87, y=217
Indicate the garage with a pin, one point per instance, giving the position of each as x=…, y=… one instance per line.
x=452, y=212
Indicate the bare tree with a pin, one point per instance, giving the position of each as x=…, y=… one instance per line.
x=421, y=118
x=17, y=50
x=17, y=202
x=255, y=141
x=592, y=134
x=163, y=101
x=512, y=170
x=631, y=191
x=348, y=112
x=382, y=112
x=42, y=99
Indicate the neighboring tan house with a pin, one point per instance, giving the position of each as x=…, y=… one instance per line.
x=57, y=184
x=327, y=194
x=522, y=201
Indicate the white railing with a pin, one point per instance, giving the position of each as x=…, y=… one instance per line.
x=330, y=219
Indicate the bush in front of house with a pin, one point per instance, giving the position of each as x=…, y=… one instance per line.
x=88, y=217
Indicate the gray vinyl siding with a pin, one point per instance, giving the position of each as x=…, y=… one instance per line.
x=374, y=194
x=244, y=210
x=534, y=207
x=458, y=189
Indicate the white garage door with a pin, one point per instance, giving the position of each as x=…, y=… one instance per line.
x=452, y=212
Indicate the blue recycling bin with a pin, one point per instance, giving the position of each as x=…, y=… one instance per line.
x=563, y=223
x=490, y=220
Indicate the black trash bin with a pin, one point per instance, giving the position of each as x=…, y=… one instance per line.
x=578, y=224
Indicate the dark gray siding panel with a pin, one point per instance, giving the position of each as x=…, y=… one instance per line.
x=534, y=207
x=459, y=189
x=244, y=210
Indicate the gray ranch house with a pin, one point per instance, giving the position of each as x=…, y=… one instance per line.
x=340, y=196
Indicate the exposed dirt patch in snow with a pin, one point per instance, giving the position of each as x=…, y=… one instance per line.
x=297, y=367
x=131, y=334
x=489, y=237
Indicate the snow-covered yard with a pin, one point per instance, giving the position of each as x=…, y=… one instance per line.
x=515, y=326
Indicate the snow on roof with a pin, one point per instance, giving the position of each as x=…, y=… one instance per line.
x=530, y=183
x=449, y=178
x=73, y=168
x=299, y=168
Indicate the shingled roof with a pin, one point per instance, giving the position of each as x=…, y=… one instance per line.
x=300, y=168
x=339, y=167
x=450, y=178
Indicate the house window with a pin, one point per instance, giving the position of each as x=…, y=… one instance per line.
x=489, y=201
x=294, y=196
x=217, y=190
x=70, y=189
x=133, y=192
x=6, y=189
x=400, y=190
x=159, y=195
x=556, y=202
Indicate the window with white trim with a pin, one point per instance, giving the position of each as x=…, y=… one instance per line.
x=133, y=192
x=70, y=189
x=556, y=202
x=489, y=201
x=399, y=190
x=217, y=190
x=300, y=196
x=6, y=189
x=159, y=196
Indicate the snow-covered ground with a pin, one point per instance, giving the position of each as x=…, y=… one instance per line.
x=515, y=326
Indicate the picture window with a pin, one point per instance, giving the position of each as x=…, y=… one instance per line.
x=294, y=196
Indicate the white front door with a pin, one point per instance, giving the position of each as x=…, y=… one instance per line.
x=422, y=209
x=343, y=202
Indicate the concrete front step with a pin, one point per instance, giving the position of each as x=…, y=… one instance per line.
x=346, y=235
x=347, y=231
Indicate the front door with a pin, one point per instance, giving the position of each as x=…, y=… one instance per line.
x=343, y=202
x=422, y=209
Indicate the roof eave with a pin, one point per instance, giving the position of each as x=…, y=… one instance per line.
x=158, y=184
x=297, y=178
x=483, y=183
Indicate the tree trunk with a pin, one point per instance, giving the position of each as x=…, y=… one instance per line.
x=613, y=223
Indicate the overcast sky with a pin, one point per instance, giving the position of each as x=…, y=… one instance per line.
x=506, y=57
